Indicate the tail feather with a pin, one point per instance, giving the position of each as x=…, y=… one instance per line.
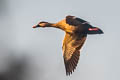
x=95, y=31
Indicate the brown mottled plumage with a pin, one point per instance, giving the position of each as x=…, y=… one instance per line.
x=76, y=30
x=71, y=46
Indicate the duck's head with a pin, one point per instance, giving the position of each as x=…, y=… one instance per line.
x=42, y=24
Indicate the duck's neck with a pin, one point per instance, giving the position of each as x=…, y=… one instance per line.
x=56, y=26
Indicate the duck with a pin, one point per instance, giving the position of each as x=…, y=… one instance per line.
x=76, y=31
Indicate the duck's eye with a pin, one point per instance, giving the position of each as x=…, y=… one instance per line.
x=42, y=24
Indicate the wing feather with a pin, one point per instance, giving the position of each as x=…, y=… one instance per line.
x=72, y=20
x=71, y=46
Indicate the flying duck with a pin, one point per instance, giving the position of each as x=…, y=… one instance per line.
x=76, y=30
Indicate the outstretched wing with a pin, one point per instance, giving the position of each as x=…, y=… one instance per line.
x=71, y=46
x=75, y=21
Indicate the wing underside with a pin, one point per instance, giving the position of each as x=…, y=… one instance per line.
x=71, y=46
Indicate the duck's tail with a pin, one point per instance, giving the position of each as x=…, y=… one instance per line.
x=94, y=30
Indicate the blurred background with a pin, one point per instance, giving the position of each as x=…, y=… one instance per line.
x=36, y=54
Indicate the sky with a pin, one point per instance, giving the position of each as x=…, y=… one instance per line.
x=42, y=48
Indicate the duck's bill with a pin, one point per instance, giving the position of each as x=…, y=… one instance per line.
x=36, y=26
